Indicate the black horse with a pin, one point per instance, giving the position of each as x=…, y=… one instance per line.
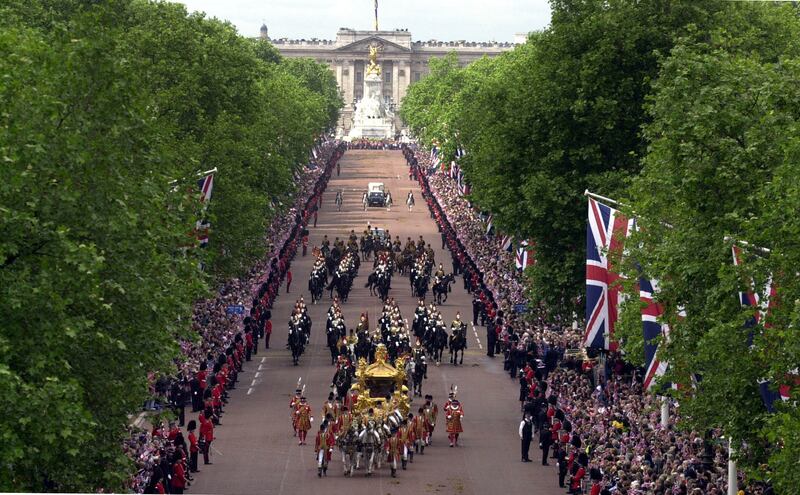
x=457, y=343
x=363, y=347
x=296, y=343
x=420, y=373
x=366, y=247
x=420, y=286
x=316, y=284
x=442, y=287
x=332, y=335
x=342, y=380
x=436, y=341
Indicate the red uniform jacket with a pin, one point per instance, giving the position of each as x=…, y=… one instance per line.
x=206, y=429
x=178, y=476
x=193, y=443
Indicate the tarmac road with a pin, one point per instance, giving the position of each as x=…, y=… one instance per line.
x=254, y=450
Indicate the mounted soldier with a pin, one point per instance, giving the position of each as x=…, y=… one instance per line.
x=458, y=339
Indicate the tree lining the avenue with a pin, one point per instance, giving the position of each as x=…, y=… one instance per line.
x=109, y=112
x=686, y=112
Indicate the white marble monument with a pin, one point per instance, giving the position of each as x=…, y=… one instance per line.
x=372, y=119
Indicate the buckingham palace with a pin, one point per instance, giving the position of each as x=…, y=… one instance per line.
x=403, y=60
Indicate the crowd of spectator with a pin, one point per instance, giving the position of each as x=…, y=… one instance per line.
x=605, y=434
x=373, y=144
x=228, y=329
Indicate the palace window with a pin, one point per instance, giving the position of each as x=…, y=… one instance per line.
x=401, y=73
x=387, y=76
x=416, y=76
x=359, y=76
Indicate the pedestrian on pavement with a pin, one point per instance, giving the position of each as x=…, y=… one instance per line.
x=523, y=389
x=545, y=439
x=178, y=478
x=206, y=435
x=476, y=308
x=267, y=333
x=193, y=447
x=315, y=222
x=388, y=201
x=526, y=435
x=491, y=336
x=288, y=280
x=561, y=456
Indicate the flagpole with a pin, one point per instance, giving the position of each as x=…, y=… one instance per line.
x=198, y=174
x=602, y=198
x=733, y=484
x=746, y=244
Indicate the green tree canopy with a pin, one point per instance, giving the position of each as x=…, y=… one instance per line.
x=559, y=114
x=110, y=109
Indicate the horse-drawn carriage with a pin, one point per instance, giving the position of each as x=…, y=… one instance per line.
x=380, y=403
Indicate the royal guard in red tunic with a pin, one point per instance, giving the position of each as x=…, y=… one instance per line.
x=406, y=436
x=344, y=420
x=303, y=420
x=329, y=408
x=394, y=448
x=337, y=410
x=450, y=397
x=453, y=416
x=323, y=447
x=352, y=396
x=431, y=413
x=419, y=428
x=293, y=403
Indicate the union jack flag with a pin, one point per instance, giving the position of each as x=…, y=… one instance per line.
x=506, y=243
x=651, y=313
x=489, y=225
x=202, y=228
x=455, y=170
x=763, y=303
x=206, y=185
x=524, y=256
x=605, y=233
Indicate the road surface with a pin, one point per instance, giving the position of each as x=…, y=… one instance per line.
x=254, y=451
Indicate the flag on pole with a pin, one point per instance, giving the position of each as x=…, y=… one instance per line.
x=453, y=170
x=206, y=185
x=762, y=303
x=507, y=243
x=524, y=255
x=489, y=225
x=653, y=329
x=606, y=232
x=202, y=227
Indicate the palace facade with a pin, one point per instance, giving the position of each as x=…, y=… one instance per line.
x=403, y=60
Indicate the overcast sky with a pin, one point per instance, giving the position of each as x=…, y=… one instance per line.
x=446, y=20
